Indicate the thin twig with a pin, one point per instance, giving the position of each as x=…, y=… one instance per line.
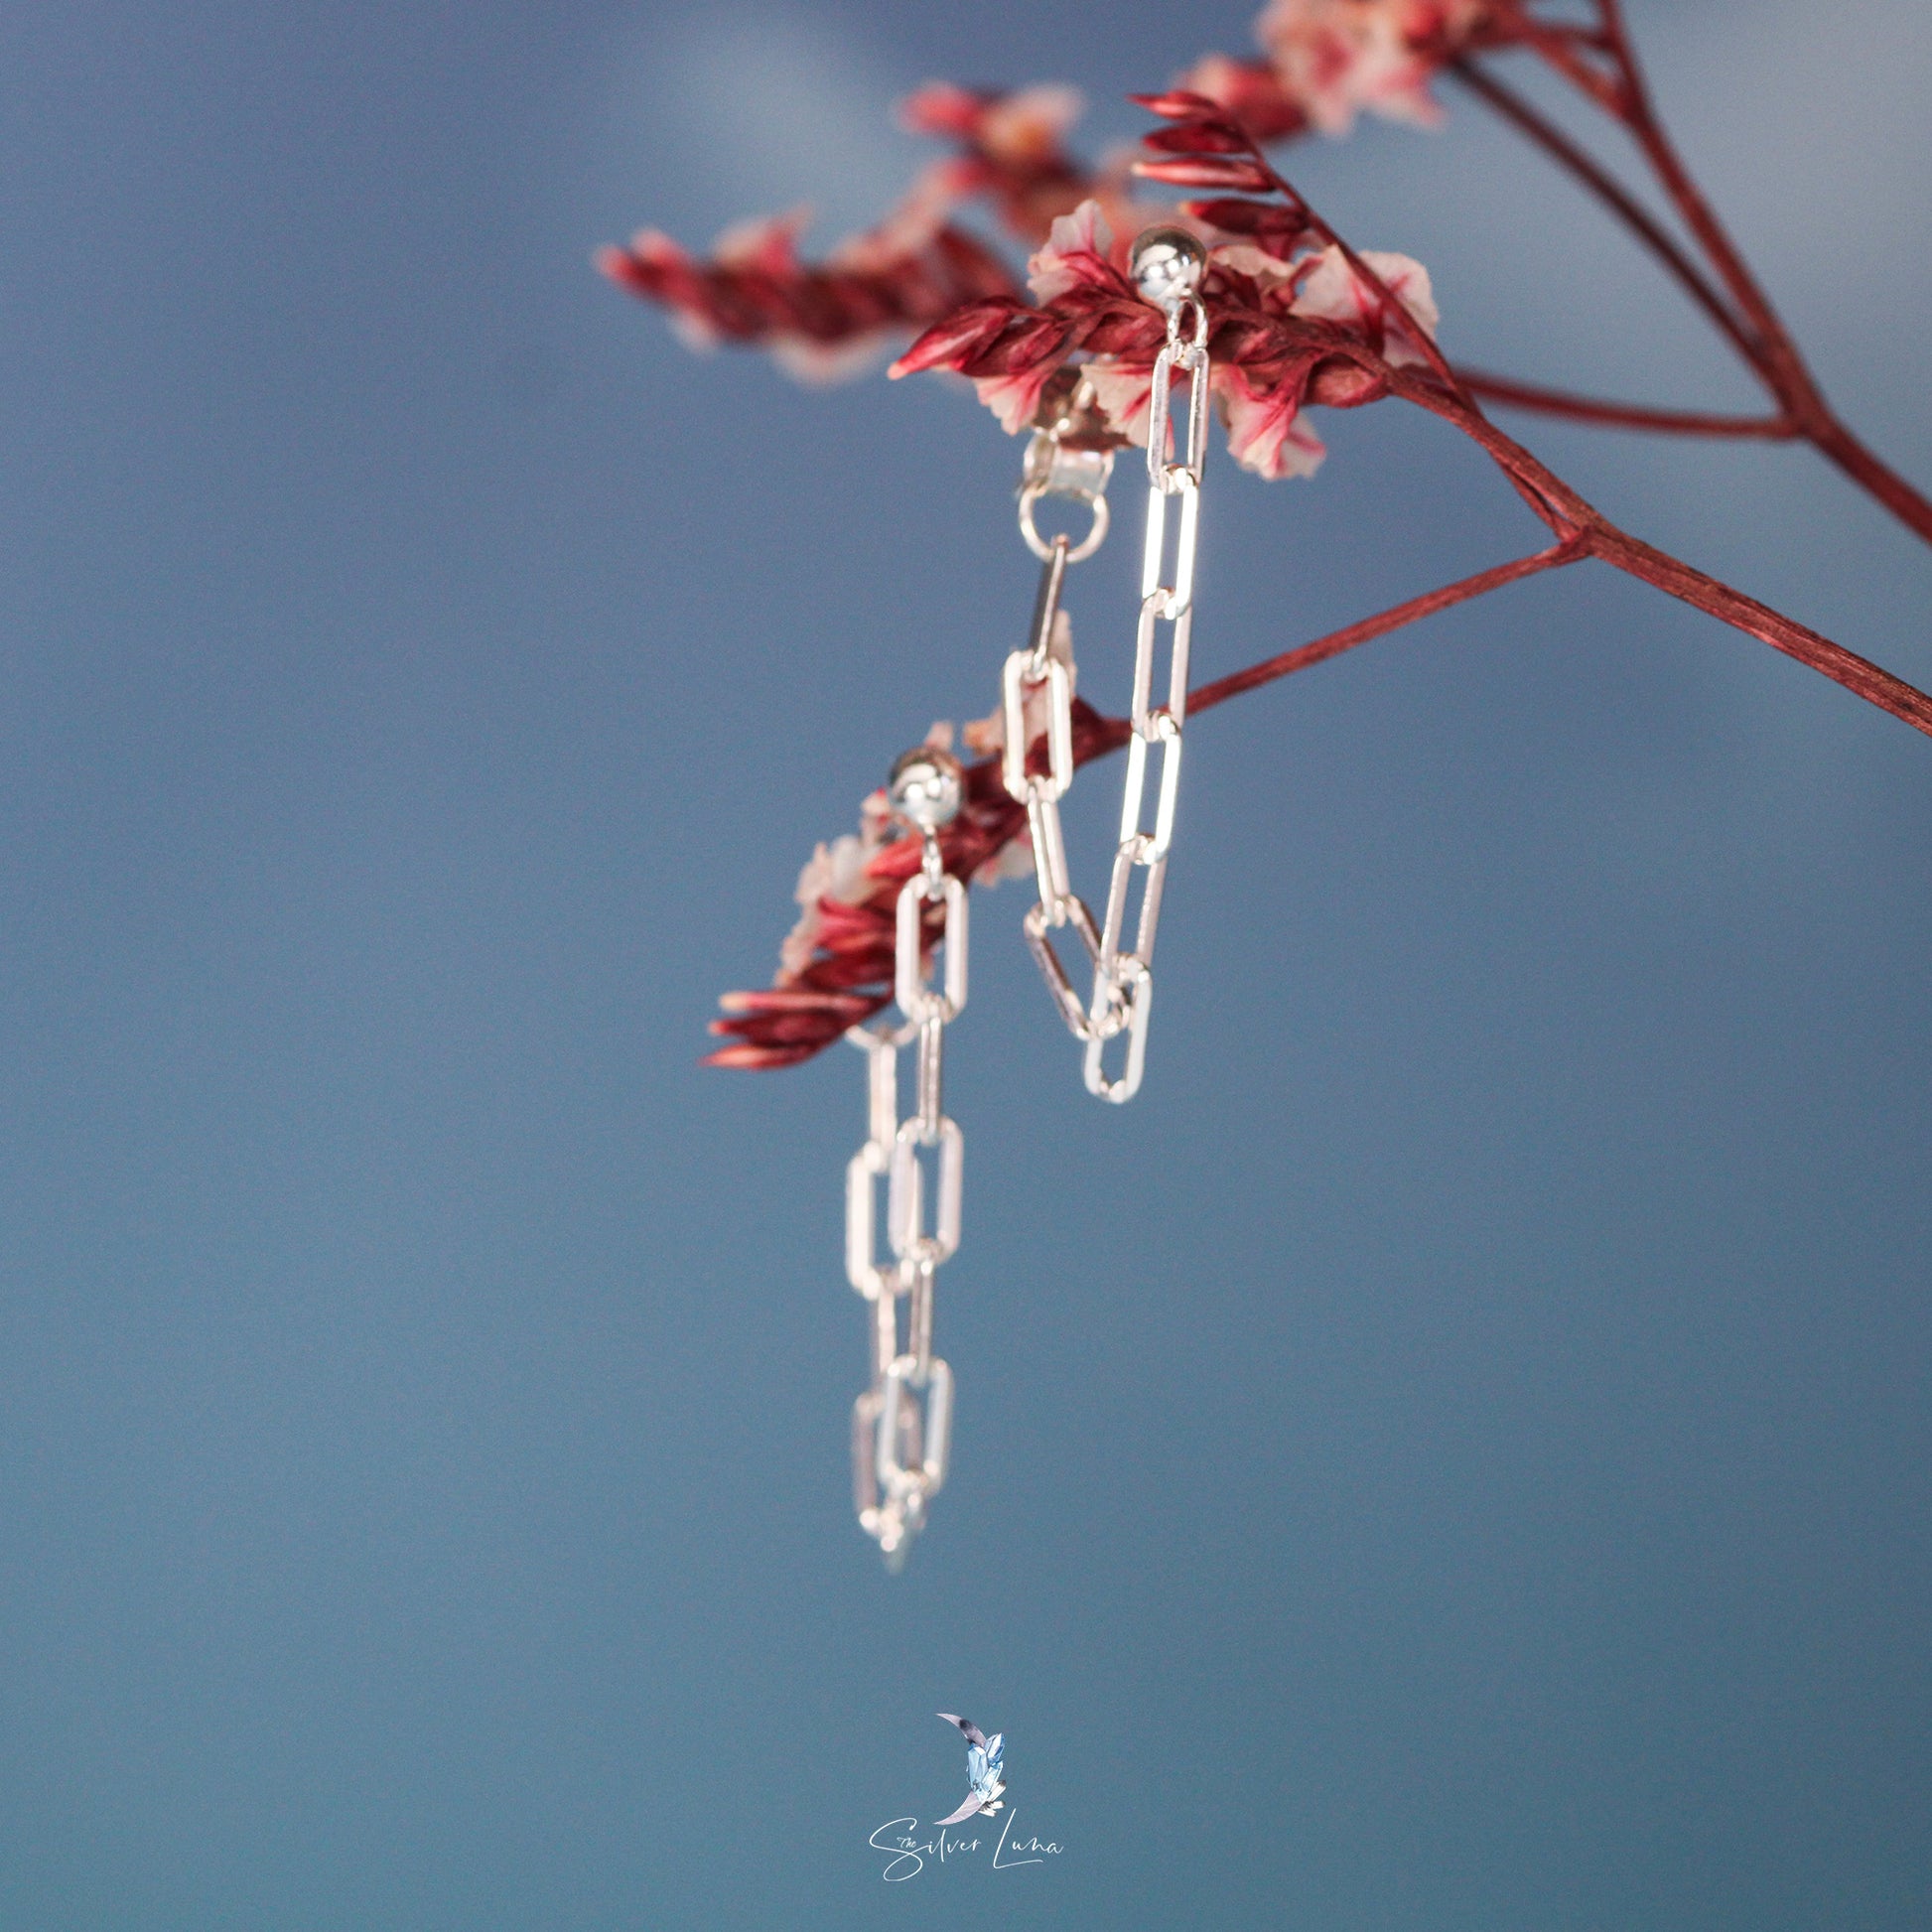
x=1513, y=108
x=1640, y=118
x=1570, y=515
x=1758, y=332
x=1515, y=394
x=1871, y=473
x=1366, y=629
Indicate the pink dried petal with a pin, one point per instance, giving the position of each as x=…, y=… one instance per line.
x=1266, y=433
x=1076, y=257
x=1123, y=393
x=1331, y=291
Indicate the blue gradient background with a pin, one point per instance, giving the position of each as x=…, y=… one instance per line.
x=1452, y=1454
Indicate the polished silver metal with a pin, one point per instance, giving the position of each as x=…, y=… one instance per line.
x=920, y=1314
x=906, y=1189
x=915, y=1435
x=1072, y=1008
x=902, y=1446
x=872, y=1163
x=1123, y=979
x=1129, y=991
x=927, y=787
x=902, y=1424
x=1041, y=547
x=1166, y=264
x=1046, y=610
x=1187, y=357
x=1021, y=673
x=917, y=999
x=1046, y=661
x=885, y=1331
x=1053, y=468
x=931, y=1087
x=862, y=1269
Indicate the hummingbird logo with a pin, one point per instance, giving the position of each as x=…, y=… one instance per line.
x=985, y=1761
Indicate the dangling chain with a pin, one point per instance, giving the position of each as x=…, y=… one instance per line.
x=1122, y=981
x=902, y=1425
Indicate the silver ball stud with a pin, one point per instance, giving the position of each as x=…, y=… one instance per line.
x=926, y=788
x=1166, y=264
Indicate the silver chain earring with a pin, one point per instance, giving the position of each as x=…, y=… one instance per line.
x=902, y=1425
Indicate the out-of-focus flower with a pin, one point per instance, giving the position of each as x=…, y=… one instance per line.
x=830, y=320
x=822, y=320
x=1334, y=58
x=1250, y=91
x=1013, y=150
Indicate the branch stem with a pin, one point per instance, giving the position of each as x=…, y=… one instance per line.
x=1515, y=394
x=1599, y=179
x=1572, y=518
x=1738, y=308
x=1857, y=674
x=1366, y=629
x=1637, y=559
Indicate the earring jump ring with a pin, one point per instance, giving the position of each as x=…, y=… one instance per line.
x=1044, y=550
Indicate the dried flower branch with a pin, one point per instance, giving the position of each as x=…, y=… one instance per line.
x=837, y=967
x=1332, y=327
x=1298, y=320
x=1602, y=66
x=822, y=322
x=1327, y=61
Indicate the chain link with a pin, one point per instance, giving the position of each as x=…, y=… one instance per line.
x=1046, y=665
x=1122, y=976
x=1123, y=980
x=902, y=1425
x=1053, y=469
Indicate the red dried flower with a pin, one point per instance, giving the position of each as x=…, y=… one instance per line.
x=1013, y=152
x=1333, y=58
x=1296, y=319
x=819, y=322
x=1266, y=363
x=836, y=967
x=1251, y=91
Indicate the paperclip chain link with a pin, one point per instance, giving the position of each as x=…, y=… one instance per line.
x=1041, y=666
x=902, y=1425
x=1122, y=976
x=1123, y=979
